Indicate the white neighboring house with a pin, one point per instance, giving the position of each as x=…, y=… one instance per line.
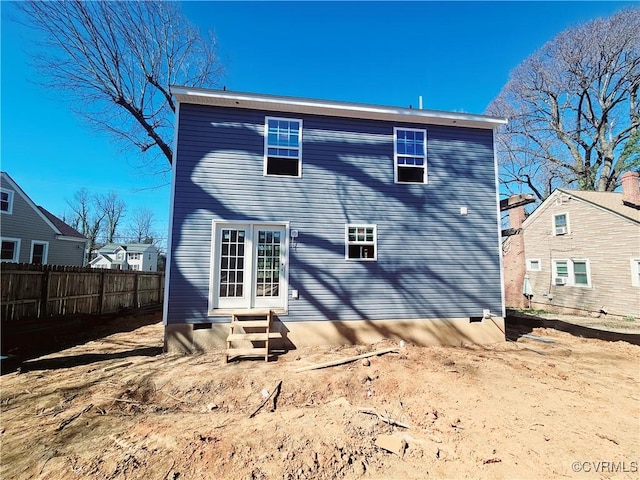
x=127, y=256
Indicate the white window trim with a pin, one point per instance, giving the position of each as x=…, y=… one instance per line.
x=9, y=211
x=571, y=278
x=530, y=267
x=16, y=250
x=553, y=224
x=266, y=147
x=45, y=253
x=374, y=243
x=214, y=266
x=635, y=272
x=395, y=155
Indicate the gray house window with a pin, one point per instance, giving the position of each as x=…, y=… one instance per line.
x=410, y=155
x=6, y=201
x=39, y=252
x=10, y=249
x=283, y=147
x=361, y=242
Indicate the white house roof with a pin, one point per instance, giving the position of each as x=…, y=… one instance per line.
x=225, y=98
x=129, y=247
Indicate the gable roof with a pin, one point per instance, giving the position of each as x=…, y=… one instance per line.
x=65, y=229
x=129, y=247
x=226, y=98
x=58, y=226
x=608, y=201
x=611, y=201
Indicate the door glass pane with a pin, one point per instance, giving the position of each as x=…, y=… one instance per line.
x=231, y=262
x=268, y=274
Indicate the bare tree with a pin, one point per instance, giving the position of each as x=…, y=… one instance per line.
x=573, y=110
x=141, y=226
x=113, y=209
x=116, y=60
x=85, y=217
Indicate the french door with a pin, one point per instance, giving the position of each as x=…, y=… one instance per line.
x=249, y=266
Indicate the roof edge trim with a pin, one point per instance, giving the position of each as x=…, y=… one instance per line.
x=228, y=98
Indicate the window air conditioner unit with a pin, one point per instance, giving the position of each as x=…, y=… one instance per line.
x=561, y=230
x=561, y=281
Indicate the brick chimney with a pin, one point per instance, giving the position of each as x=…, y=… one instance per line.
x=516, y=217
x=630, y=189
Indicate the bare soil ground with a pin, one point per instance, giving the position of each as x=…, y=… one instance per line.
x=549, y=405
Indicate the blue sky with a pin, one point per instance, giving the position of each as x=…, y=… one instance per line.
x=456, y=55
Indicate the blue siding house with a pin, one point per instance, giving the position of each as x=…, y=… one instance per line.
x=350, y=222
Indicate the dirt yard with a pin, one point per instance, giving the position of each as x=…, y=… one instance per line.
x=549, y=405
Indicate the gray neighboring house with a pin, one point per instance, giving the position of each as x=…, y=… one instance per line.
x=350, y=222
x=32, y=234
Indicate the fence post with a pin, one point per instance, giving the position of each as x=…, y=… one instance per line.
x=44, y=294
x=103, y=287
x=136, y=284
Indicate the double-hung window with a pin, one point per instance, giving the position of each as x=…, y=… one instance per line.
x=410, y=155
x=283, y=147
x=6, y=201
x=361, y=242
x=10, y=249
x=575, y=273
x=560, y=224
x=39, y=252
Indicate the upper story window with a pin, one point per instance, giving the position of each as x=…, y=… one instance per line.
x=6, y=201
x=361, y=242
x=560, y=224
x=410, y=155
x=134, y=256
x=283, y=147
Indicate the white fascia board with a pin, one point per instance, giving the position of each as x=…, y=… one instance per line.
x=71, y=239
x=540, y=208
x=224, y=98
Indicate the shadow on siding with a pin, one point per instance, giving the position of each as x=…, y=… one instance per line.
x=453, y=274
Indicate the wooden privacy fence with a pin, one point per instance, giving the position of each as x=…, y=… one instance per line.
x=37, y=291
